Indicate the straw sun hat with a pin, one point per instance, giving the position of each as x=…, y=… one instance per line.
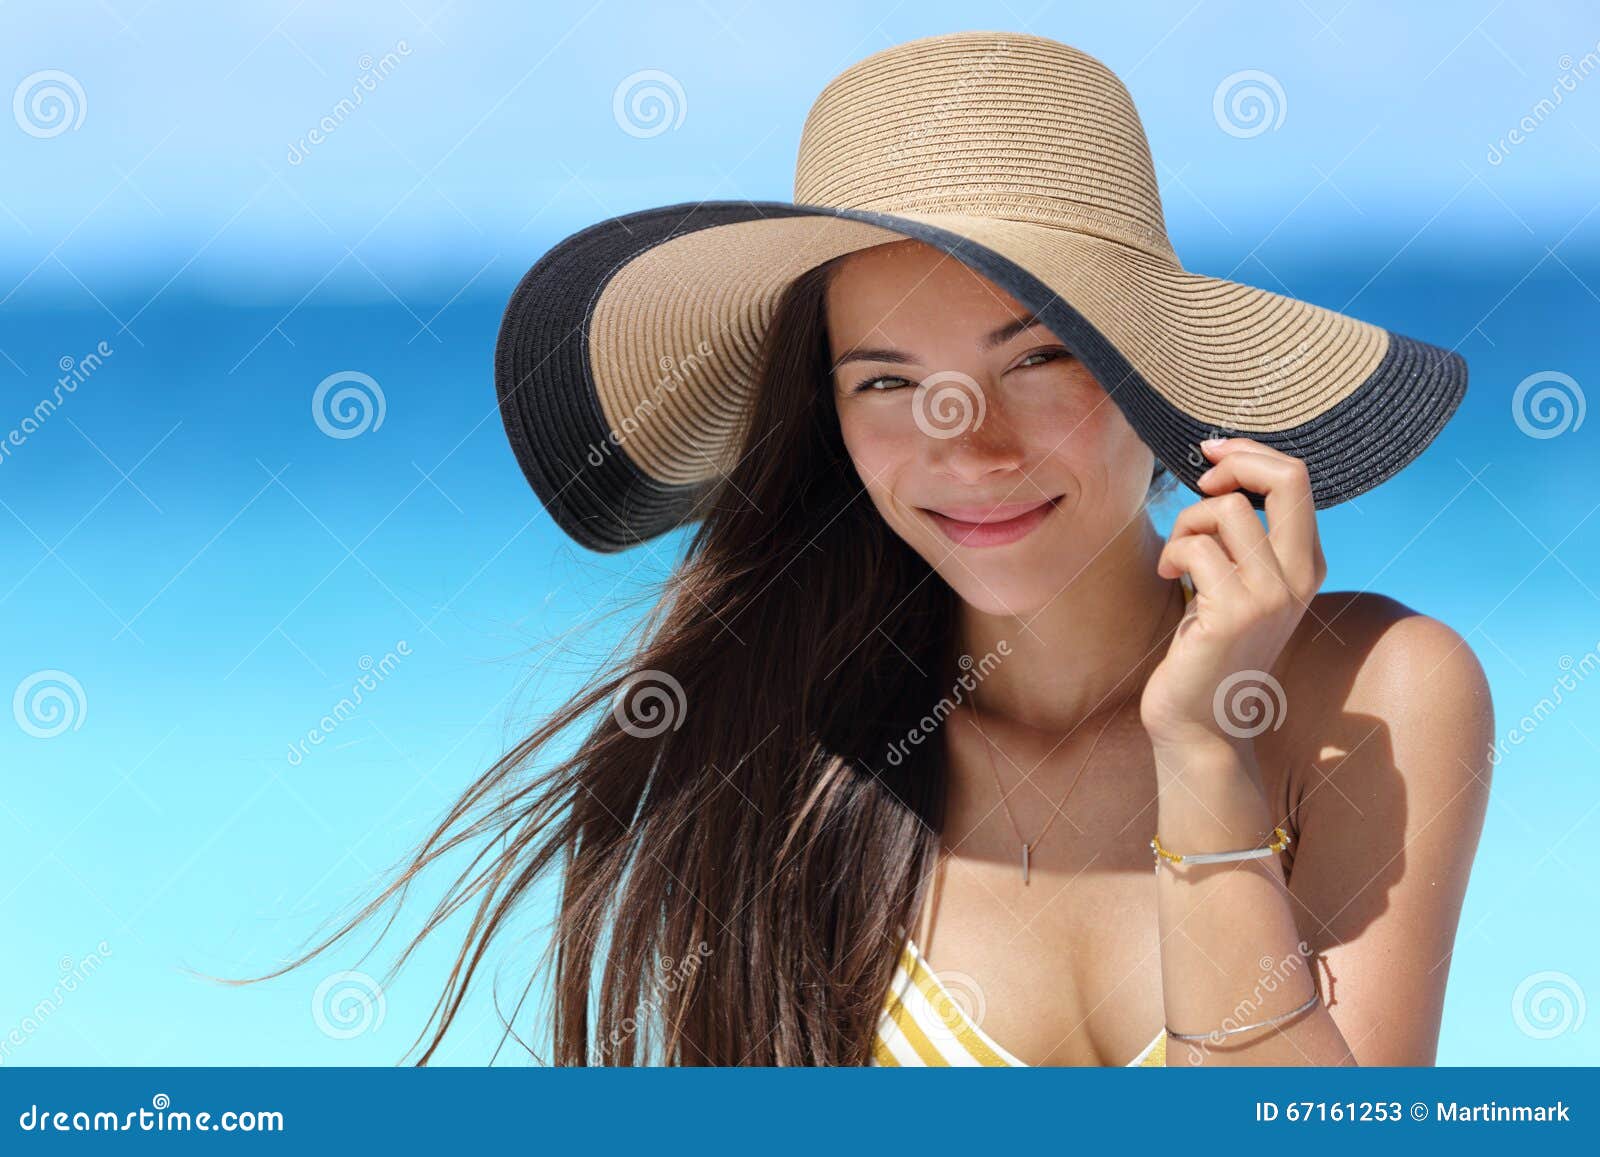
x=628, y=353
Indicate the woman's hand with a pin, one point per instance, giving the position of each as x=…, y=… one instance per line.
x=1252, y=585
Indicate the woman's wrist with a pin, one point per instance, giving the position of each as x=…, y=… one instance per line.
x=1210, y=795
x=1201, y=755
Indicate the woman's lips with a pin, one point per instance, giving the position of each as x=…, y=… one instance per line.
x=990, y=525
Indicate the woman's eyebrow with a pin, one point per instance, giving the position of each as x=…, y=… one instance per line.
x=989, y=341
x=868, y=354
x=1009, y=330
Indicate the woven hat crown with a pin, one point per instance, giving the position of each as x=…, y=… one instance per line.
x=991, y=124
x=629, y=359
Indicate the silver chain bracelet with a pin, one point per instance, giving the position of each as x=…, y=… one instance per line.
x=1215, y=1033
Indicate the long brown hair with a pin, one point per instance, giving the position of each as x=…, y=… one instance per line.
x=742, y=843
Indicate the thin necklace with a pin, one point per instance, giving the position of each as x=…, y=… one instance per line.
x=1028, y=846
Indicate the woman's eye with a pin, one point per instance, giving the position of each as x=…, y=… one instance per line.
x=1043, y=357
x=891, y=382
x=883, y=383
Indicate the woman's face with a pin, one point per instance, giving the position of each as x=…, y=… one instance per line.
x=981, y=440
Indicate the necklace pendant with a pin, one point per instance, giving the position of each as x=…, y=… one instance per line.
x=1024, y=863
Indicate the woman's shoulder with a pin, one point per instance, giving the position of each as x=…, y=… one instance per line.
x=1370, y=642
x=1360, y=662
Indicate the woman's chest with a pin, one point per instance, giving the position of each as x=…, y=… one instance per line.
x=1064, y=969
x=1067, y=975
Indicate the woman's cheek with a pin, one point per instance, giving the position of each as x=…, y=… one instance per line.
x=1066, y=428
x=878, y=441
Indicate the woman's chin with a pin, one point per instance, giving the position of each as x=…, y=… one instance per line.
x=1001, y=592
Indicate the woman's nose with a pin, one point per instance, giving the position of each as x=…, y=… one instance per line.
x=965, y=429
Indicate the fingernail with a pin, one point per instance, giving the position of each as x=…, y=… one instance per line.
x=1213, y=443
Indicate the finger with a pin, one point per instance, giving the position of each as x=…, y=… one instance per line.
x=1207, y=563
x=1246, y=445
x=1233, y=520
x=1224, y=447
x=1231, y=446
x=1290, y=508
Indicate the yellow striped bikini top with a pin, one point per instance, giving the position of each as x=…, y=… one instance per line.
x=924, y=1023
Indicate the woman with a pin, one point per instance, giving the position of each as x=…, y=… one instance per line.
x=927, y=685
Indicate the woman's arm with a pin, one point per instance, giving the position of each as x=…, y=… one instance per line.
x=1389, y=825
x=1390, y=821
x=1387, y=836
x=1231, y=953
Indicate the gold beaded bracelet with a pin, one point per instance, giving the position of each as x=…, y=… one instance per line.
x=1277, y=845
